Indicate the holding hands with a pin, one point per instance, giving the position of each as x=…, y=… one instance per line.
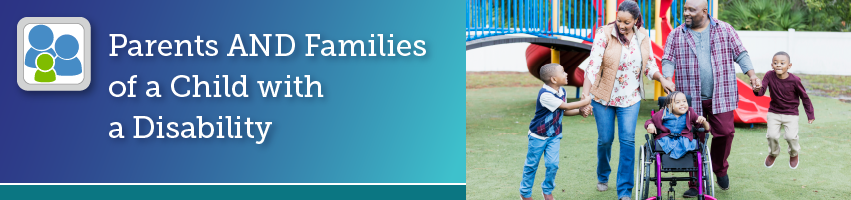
x=577, y=107
x=586, y=110
x=755, y=82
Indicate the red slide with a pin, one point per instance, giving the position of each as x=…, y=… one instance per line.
x=752, y=109
x=537, y=56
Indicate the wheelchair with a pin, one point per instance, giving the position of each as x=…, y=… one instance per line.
x=655, y=163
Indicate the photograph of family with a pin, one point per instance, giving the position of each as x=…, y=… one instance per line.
x=658, y=99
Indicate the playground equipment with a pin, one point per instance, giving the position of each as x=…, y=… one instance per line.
x=752, y=109
x=562, y=31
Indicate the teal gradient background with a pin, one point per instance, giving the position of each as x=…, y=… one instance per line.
x=382, y=120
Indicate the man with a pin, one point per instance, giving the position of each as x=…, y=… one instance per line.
x=701, y=53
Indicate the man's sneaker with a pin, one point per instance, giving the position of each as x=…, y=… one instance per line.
x=690, y=193
x=724, y=182
x=602, y=187
x=524, y=198
x=548, y=196
x=769, y=161
x=624, y=198
x=793, y=162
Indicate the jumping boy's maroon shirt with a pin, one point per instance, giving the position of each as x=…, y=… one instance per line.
x=785, y=94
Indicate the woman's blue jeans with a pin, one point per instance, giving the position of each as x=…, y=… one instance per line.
x=627, y=118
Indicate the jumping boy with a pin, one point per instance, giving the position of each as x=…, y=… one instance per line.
x=786, y=89
x=545, y=129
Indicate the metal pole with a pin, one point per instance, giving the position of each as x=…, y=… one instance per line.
x=657, y=86
x=611, y=10
x=555, y=16
x=715, y=8
x=554, y=54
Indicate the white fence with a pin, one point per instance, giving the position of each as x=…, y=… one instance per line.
x=811, y=52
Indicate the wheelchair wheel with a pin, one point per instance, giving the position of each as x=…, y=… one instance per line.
x=710, y=181
x=637, y=190
x=648, y=163
x=643, y=174
x=639, y=175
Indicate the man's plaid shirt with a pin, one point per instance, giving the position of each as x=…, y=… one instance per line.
x=725, y=47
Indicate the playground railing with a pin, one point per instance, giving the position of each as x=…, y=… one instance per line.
x=574, y=18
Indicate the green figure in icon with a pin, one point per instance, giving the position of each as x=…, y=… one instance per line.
x=45, y=73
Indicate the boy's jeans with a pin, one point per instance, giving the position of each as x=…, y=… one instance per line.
x=627, y=118
x=549, y=148
x=775, y=122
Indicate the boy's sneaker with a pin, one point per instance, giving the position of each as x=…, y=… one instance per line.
x=524, y=198
x=690, y=193
x=793, y=162
x=548, y=196
x=625, y=198
x=602, y=187
x=724, y=182
x=769, y=161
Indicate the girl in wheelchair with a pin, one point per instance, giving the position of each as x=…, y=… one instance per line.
x=674, y=124
x=674, y=127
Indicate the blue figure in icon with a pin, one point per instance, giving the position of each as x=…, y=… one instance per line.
x=63, y=55
x=40, y=38
x=67, y=63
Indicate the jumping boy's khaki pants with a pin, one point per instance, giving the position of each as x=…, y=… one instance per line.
x=790, y=123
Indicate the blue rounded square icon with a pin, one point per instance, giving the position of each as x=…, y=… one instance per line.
x=54, y=53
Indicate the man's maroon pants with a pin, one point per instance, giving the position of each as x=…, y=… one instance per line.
x=722, y=129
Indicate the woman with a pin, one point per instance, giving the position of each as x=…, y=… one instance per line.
x=619, y=57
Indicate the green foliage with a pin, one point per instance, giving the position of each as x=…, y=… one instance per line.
x=764, y=15
x=781, y=15
x=786, y=17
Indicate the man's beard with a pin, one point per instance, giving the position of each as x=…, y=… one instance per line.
x=693, y=22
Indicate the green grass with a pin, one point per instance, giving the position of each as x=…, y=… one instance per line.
x=501, y=79
x=498, y=119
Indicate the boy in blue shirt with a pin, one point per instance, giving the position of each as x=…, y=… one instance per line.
x=545, y=129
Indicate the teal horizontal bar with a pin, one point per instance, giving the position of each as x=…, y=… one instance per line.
x=161, y=192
